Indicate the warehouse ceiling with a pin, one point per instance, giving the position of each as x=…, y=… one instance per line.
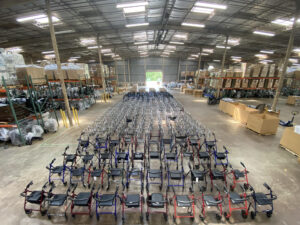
x=168, y=28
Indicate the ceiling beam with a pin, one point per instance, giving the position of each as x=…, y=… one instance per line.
x=9, y=3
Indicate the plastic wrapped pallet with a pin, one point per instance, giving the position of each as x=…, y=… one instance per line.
x=4, y=134
x=51, y=125
x=15, y=137
x=37, y=131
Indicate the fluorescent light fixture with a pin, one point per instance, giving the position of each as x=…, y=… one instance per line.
x=137, y=24
x=293, y=60
x=236, y=57
x=202, y=10
x=93, y=47
x=176, y=43
x=297, y=50
x=233, y=42
x=47, y=52
x=64, y=32
x=109, y=54
x=217, y=60
x=267, y=61
x=167, y=50
x=283, y=22
x=261, y=56
x=106, y=50
x=221, y=46
x=141, y=43
x=75, y=57
x=270, y=34
x=50, y=56
x=191, y=58
x=171, y=47
x=87, y=41
x=204, y=54
x=195, y=56
x=14, y=49
x=267, y=52
x=181, y=36
x=92, y=60
x=38, y=61
x=132, y=4
x=72, y=60
x=211, y=5
x=144, y=56
x=295, y=64
x=193, y=25
x=28, y=18
x=136, y=9
x=45, y=20
x=139, y=36
x=208, y=50
x=164, y=55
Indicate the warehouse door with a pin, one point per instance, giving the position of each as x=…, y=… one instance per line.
x=154, y=79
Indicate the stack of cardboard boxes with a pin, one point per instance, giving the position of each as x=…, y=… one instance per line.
x=262, y=123
x=291, y=140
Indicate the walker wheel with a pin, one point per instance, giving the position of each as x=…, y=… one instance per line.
x=89, y=186
x=91, y=215
x=269, y=214
x=66, y=216
x=226, y=216
x=141, y=218
x=201, y=218
x=174, y=219
x=43, y=212
x=218, y=217
x=166, y=216
x=192, y=218
x=252, y=215
x=49, y=217
x=231, y=188
x=73, y=215
x=98, y=217
x=28, y=211
x=246, y=186
x=147, y=216
x=244, y=214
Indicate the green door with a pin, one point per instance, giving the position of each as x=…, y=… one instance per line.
x=154, y=79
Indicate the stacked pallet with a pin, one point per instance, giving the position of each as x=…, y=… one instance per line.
x=7, y=116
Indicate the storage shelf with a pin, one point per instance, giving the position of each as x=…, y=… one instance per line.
x=241, y=78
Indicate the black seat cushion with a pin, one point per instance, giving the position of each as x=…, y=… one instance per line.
x=106, y=200
x=122, y=156
x=194, y=142
x=132, y=201
x=105, y=155
x=198, y=174
x=221, y=155
x=115, y=172
x=171, y=155
x=57, y=169
x=96, y=173
x=203, y=155
x=154, y=173
x=58, y=200
x=154, y=155
x=167, y=141
x=82, y=199
x=262, y=199
x=135, y=172
x=138, y=156
x=176, y=174
x=217, y=174
x=236, y=198
x=77, y=172
x=183, y=201
x=70, y=158
x=156, y=200
x=210, y=200
x=87, y=158
x=35, y=197
x=114, y=142
x=210, y=144
x=238, y=174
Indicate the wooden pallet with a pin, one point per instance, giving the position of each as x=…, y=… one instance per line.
x=265, y=134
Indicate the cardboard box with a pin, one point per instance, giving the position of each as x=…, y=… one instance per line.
x=276, y=82
x=53, y=75
x=270, y=83
x=292, y=100
x=291, y=140
x=265, y=71
x=242, y=112
x=261, y=83
x=222, y=105
x=238, y=74
x=75, y=74
x=238, y=83
x=254, y=84
x=272, y=70
x=230, y=107
x=228, y=83
x=263, y=123
x=198, y=93
x=245, y=83
x=188, y=91
x=37, y=74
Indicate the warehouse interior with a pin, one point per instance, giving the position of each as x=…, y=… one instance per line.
x=149, y=111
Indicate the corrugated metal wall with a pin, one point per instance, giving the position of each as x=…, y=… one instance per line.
x=139, y=66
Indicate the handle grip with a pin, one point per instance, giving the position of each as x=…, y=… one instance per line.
x=243, y=164
x=267, y=186
x=28, y=185
x=53, y=160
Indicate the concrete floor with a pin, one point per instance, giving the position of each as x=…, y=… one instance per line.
x=265, y=160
